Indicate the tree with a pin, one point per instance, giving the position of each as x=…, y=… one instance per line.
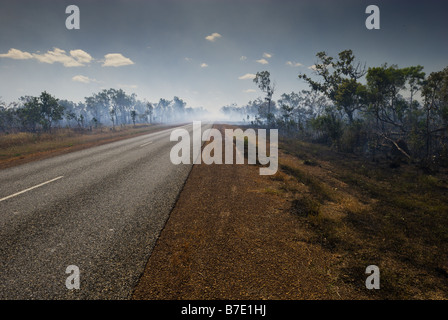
x=329, y=125
x=149, y=111
x=8, y=116
x=29, y=113
x=122, y=103
x=103, y=100
x=384, y=85
x=51, y=110
x=162, y=109
x=435, y=95
x=340, y=81
x=97, y=107
x=112, y=114
x=178, y=108
x=133, y=116
x=43, y=110
x=263, y=81
x=415, y=78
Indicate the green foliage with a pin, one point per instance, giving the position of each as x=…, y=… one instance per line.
x=373, y=117
x=40, y=111
x=353, y=137
x=329, y=125
x=340, y=81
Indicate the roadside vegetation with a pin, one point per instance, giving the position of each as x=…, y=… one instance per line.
x=16, y=148
x=370, y=214
x=364, y=163
x=38, y=126
x=385, y=114
x=109, y=107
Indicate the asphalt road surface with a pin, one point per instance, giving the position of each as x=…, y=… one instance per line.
x=100, y=209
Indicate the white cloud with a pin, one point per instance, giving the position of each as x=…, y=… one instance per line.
x=16, y=54
x=313, y=67
x=247, y=76
x=77, y=58
x=213, y=37
x=188, y=59
x=81, y=56
x=116, y=60
x=204, y=65
x=293, y=64
x=267, y=55
x=249, y=90
x=83, y=79
x=242, y=58
x=262, y=61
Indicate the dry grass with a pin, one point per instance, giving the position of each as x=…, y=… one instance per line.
x=396, y=219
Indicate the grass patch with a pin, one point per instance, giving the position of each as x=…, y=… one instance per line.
x=395, y=218
x=318, y=189
x=305, y=207
x=309, y=162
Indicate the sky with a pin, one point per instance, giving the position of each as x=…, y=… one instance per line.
x=204, y=51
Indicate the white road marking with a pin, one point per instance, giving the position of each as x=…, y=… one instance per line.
x=145, y=144
x=23, y=191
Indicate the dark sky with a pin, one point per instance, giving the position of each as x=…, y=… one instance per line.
x=160, y=47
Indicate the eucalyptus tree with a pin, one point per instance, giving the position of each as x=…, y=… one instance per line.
x=339, y=81
x=263, y=81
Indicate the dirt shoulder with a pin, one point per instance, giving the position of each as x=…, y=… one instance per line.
x=232, y=235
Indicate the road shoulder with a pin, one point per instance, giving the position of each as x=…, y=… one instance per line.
x=230, y=236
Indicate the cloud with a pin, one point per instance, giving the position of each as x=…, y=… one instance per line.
x=313, y=67
x=81, y=56
x=116, y=60
x=16, y=54
x=262, y=61
x=77, y=58
x=83, y=79
x=247, y=76
x=188, y=59
x=204, y=65
x=213, y=37
x=242, y=58
x=249, y=90
x=293, y=64
x=267, y=55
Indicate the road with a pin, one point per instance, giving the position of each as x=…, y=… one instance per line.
x=100, y=209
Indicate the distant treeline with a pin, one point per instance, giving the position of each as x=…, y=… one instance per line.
x=110, y=107
x=386, y=111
